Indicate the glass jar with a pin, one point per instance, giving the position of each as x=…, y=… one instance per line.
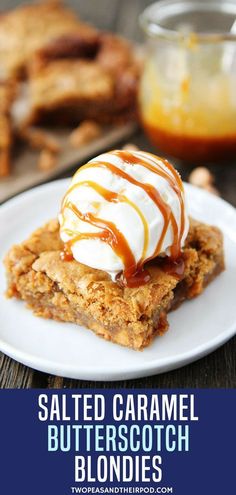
x=188, y=87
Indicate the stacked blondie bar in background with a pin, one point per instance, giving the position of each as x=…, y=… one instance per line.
x=57, y=70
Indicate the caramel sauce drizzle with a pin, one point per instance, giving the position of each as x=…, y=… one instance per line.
x=114, y=197
x=149, y=189
x=133, y=275
x=130, y=158
x=110, y=234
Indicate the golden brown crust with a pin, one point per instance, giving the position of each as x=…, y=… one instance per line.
x=66, y=80
x=102, y=87
x=7, y=91
x=68, y=91
x=70, y=291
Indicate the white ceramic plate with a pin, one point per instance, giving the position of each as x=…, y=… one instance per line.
x=196, y=328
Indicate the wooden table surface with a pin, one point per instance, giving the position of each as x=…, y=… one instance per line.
x=215, y=370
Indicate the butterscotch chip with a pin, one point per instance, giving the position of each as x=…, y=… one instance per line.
x=130, y=147
x=84, y=133
x=72, y=292
x=201, y=177
x=47, y=160
x=39, y=139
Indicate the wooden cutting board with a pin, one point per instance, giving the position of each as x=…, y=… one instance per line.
x=26, y=174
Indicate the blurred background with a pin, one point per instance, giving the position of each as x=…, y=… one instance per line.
x=116, y=15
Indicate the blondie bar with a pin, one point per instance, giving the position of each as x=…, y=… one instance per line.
x=72, y=292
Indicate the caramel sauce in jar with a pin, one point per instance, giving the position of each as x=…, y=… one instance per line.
x=188, y=105
x=192, y=148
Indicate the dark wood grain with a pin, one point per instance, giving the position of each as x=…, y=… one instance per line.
x=215, y=370
x=13, y=374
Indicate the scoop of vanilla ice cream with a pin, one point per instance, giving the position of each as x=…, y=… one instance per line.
x=113, y=190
